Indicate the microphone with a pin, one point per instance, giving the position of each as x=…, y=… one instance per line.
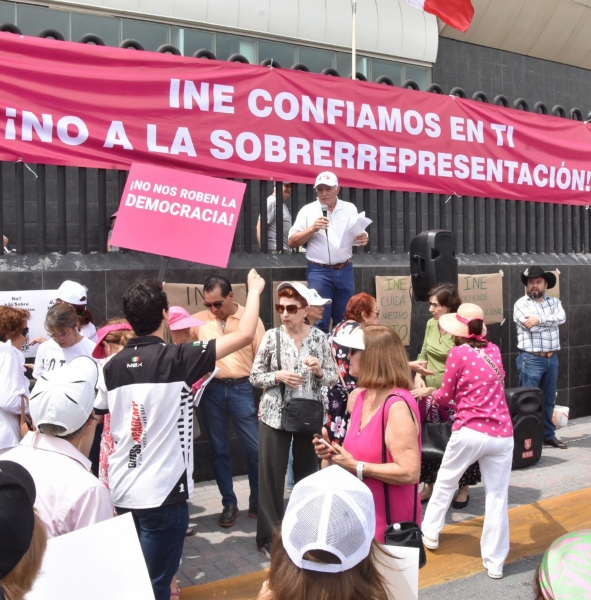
x=324, y=209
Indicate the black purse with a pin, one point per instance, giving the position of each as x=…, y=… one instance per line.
x=299, y=415
x=434, y=439
x=405, y=533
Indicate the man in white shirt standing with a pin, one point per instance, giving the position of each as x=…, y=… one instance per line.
x=69, y=496
x=330, y=270
x=538, y=317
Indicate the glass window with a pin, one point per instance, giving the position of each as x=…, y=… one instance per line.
x=387, y=68
x=284, y=54
x=344, y=64
x=316, y=60
x=150, y=35
x=32, y=20
x=107, y=28
x=226, y=45
x=422, y=75
x=188, y=41
x=7, y=12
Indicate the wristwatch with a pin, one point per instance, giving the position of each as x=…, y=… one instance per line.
x=360, y=466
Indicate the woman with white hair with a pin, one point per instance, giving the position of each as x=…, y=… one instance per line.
x=482, y=431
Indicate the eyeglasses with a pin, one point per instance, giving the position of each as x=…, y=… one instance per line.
x=291, y=309
x=216, y=304
x=60, y=336
x=25, y=331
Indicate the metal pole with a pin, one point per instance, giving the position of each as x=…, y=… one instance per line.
x=354, y=40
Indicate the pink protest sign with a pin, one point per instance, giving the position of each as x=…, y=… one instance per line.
x=178, y=214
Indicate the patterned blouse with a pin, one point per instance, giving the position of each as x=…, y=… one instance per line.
x=265, y=367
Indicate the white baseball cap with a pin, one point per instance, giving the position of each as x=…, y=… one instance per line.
x=354, y=339
x=326, y=178
x=330, y=510
x=300, y=288
x=317, y=299
x=65, y=396
x=71, y=292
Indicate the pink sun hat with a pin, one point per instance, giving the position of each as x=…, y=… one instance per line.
x=179, y=318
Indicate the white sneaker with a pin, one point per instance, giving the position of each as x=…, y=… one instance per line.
x=429, y=543
x=491, y=574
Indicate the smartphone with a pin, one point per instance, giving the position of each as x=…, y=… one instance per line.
x=318, y=437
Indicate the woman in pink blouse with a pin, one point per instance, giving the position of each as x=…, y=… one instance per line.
x=482, y=431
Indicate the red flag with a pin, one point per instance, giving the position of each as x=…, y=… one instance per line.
x=455, y=13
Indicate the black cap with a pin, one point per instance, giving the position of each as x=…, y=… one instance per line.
x=539, y=272
x=17, y=518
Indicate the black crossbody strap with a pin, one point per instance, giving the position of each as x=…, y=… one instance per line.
x=278, y=349
x=386, y=494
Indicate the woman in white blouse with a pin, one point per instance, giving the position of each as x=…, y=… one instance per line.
x=13, y=335
x=306, y=366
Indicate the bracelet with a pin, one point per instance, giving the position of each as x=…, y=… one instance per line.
x=360, y=466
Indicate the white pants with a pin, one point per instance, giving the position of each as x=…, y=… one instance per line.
x=495, y=456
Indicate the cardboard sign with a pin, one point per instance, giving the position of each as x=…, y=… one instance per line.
x=190, y=295
x=276, y=316
x=486, y=291
x=178, y=214
x=394, y=303
x=37, y=303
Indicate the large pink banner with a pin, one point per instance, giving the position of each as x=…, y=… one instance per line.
x=74, y=104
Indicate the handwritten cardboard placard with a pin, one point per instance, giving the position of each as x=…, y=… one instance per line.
x=276, y=317
x=178, y=214
x=394, y=304
x=485, y=290
x=190, y=295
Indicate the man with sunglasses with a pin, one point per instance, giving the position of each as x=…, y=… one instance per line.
x=330, y=270
x=230, y=396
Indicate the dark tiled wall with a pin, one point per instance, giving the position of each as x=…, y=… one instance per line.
x=478, y=68
x=107, y=277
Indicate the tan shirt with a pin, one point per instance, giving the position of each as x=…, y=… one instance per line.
x=239, y=363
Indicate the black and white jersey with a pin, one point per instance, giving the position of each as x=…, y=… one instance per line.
x=147, y=389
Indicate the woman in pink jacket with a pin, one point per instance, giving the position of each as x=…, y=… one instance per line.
x=482, y=431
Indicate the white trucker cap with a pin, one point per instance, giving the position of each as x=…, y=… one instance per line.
x=327, y=178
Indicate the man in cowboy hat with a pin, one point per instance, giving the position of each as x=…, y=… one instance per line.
x=538, y=317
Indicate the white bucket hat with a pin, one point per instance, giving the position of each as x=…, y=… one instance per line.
x=330, y=510
x=65, y=396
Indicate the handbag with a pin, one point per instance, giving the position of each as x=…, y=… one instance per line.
x=405, y=533
x=299, y=415
x=434, y=438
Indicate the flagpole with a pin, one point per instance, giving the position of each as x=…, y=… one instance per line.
x=354, y=40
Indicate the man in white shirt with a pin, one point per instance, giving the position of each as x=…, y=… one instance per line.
x=69, y=496
x=329, y=271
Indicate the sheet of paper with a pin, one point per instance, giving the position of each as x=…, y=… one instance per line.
x=101, y=561
x=400, y=569
x=199, y=387
x=355, y=226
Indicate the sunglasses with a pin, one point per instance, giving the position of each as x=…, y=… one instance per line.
x=217, y=304
x=25, y=331
x=353, y=351
x=291, y=309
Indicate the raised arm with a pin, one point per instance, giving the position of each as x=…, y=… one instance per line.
x=246, y=330
x=300, y=232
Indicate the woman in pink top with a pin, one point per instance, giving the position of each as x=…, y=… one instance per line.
x=482, y=431
x=385, y=405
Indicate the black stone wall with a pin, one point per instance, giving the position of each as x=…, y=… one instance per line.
x=478, y=68
x=108, y=276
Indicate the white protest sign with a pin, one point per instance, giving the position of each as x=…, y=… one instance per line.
x=37, y=303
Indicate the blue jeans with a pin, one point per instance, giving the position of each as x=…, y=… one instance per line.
x=218, y=405
x=336, y=284
x=540, y=372
x=161, y=532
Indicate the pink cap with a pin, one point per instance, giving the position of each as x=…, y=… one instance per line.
x=179, y=318
x=101, y=334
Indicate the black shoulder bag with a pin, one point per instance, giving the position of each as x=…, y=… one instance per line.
x=434, y=438
x=405, y=533
x=299, y=415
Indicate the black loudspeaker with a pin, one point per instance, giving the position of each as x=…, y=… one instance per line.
x=525, y=405
x=432, y=261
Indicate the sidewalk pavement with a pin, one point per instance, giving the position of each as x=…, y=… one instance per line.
x=215, y=553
